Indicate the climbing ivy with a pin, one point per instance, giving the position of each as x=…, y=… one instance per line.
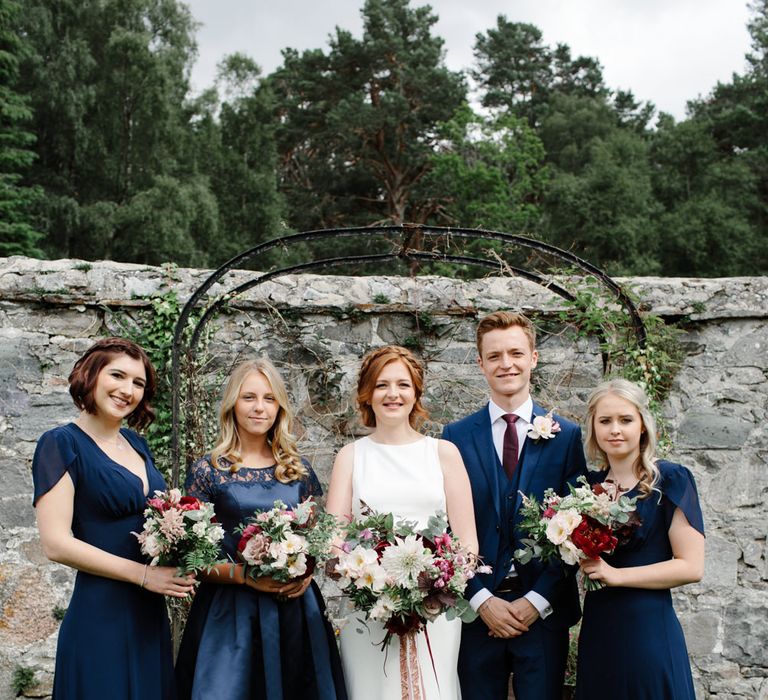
x=594, y=312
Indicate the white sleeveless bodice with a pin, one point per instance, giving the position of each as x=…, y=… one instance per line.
x=405, y=480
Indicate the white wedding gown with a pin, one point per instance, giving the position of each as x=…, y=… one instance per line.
x=405, y=480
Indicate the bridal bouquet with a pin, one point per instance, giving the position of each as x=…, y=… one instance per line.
x=287, y=543
x=403, y=577
x=180, y=531
x=588, y=521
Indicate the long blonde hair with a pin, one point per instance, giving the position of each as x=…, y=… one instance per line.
x=645, y=468
x=279, y=437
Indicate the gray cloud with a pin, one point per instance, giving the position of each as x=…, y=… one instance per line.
x=665, y=51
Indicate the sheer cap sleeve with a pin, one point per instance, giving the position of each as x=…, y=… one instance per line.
x=55, y=454
x=678, y=485
x=200, y=482
x=310, y=484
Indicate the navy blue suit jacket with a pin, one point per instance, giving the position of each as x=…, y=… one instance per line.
x=543, y=464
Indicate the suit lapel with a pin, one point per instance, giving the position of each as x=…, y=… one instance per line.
x=532, y=451
x=486, y=455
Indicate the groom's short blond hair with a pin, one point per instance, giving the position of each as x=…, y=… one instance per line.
x=501, y=320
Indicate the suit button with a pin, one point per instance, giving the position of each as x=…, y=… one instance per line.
x=497, y=528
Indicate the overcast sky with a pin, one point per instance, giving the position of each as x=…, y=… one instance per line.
x=665, y=51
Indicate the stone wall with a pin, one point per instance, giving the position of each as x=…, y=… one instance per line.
x=316, y=328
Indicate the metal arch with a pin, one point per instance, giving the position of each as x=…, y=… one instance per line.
x=404, y=253
x=426, y=256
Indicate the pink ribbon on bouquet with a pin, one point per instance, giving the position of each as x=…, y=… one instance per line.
x=411, y=682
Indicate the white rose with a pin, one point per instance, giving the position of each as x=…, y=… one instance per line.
x=294, y=543
x=372, y=576
x=278, y=553
x=215, y=534
x=299, y=566
x=152, y=546
x=359, y=559
x=569, y=552
x=562, y=524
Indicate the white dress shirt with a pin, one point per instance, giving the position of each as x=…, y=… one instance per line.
x=498, y=428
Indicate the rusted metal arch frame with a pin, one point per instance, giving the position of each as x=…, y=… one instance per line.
x=404, y=254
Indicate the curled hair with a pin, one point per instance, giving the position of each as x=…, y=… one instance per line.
x=279, y=436
x=645, y=468
x=501, y=320
x=83, y=377
x=373, y=363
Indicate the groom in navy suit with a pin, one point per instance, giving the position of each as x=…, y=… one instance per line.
x=524, y=610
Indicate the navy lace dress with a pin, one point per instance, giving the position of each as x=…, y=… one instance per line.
x=114, y=641
x=631, y=644
x=240, y=644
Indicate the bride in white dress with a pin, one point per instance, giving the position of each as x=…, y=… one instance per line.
x=398, y=470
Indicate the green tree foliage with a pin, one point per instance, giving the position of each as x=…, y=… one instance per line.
x=518, y=73
x=711, y=173
x=239, y=155
x=359, y=124
x=108, y=80
x=18, y=235
x=599, y=200
x=95, y=115
x=488, y=172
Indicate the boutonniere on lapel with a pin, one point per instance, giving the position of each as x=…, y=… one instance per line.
x=544, y=427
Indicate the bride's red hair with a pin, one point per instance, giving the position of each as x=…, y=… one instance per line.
x=373, y=363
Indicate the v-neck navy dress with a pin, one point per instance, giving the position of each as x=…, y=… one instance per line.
x=631, y=644
x=114, y=641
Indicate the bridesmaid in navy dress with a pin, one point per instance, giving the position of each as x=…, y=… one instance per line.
x=249, y=639
x=92, y=478
x=631, y=644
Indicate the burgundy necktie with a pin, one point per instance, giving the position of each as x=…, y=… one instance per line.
x=510, y=447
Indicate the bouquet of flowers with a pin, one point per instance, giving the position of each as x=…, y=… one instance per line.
x=180, y=531
x=403, y=577
x=588, y=521
x=287, y=543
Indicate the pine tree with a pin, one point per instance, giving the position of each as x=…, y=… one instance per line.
x=17, y=232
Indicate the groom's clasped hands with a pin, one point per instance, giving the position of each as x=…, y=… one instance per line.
x=507, y=619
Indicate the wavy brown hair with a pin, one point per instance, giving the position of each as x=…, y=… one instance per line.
x=281, y=440
x=373, y=363
x=83, y=377
x=645, y=468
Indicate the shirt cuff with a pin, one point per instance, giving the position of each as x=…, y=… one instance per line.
x=480, y=597
x=538, y=601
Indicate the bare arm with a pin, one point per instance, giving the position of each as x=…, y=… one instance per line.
x=686, y=566
x=458, y=495
x=54, y=521
x=339, y=501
